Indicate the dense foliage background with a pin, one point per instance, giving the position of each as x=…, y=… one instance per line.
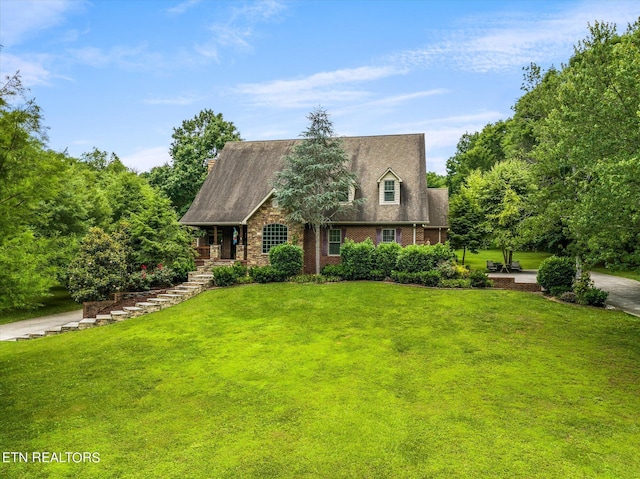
x=562, y=174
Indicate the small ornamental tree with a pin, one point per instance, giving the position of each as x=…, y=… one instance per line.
x=312, y=186
x=99, y=268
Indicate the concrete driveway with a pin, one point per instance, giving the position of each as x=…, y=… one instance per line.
x=19, y=328
x=624, y=293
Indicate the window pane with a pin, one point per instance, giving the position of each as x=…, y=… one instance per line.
x=273, y=235
x=388, y=235
x=335, y=239
x=389, y=190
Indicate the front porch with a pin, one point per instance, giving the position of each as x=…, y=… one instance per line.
x=222, y=243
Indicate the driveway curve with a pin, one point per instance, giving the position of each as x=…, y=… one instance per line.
x=624, y=293
x=26, y=326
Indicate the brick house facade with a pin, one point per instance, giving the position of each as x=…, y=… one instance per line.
x=235, y=204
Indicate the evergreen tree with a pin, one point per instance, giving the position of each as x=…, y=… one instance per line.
x=316, y=180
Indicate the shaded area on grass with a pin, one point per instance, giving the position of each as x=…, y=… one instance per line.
x=334, y=380
x=58, y=302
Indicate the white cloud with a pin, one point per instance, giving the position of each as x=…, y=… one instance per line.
x=238, y=31
x=20, y=19
x=181, y=100
x=512, y=41
x=183, y=7
x=33, y=69
x=323, y=87
x=144, y=160
x=125, y=57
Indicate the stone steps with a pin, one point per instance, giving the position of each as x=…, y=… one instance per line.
x=198, y=282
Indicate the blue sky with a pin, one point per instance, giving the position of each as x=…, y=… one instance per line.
x=120, y=75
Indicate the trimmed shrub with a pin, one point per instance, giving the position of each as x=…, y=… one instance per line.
x=416, y=258
x=333, y=270
x=357, y=259
x=403, y=277
x=593, y=297
x=287, y=259
x=223, y=275
x=239, y=270
x=587, y=294
x=430, y=278
x=265, y=274
x=558, y=291
x=385, y=258
x=377, y=275
x=556, y=274
x=479, y=279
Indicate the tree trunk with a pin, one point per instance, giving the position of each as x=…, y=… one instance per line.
x=317, y=231
x=464, y=252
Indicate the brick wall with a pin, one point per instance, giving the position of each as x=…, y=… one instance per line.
x=510, y=283
x=357, y=234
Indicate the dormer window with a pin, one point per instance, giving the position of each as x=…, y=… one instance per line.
x=389, y=191
x=389, y=187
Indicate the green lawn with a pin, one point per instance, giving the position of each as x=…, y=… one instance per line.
x=58, y=302
x=528, y=259
x=339, y=380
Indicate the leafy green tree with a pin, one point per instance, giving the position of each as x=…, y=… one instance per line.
x=154, y=237
x=503, y=194
x=588, y=144
x=479, y=150
x=467, y=222
x=194, y=142
x=27, y=171
x=312, y=185
x=99, y=269
x=434, y=180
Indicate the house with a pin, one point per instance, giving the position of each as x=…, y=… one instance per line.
x=236, y=210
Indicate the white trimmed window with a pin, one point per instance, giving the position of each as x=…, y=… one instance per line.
x=273, y=235
x=335, y=241
x=389, y=191
x=388, y=235
x=389, y=185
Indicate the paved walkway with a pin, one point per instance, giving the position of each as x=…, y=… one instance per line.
x=624, y=293
x=34, y=325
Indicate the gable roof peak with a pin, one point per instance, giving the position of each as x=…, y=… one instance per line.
x=387, y=171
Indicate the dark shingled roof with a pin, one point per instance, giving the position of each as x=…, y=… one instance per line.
x=241, y=180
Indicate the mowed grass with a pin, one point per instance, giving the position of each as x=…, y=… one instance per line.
x=344, y=380
x=478, y=261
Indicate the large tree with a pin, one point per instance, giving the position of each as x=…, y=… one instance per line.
x=194, y=142
x=587, y=147
x=315, y=181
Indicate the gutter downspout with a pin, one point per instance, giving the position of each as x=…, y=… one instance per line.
x=414, y=233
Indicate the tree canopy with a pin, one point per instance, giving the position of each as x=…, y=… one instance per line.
x=578, y=130
x=194, y=142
